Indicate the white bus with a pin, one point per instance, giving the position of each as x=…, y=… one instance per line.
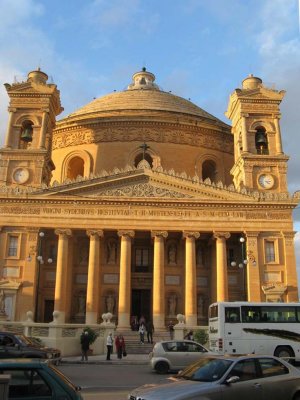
x=259, y=328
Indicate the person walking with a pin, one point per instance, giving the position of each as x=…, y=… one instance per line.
x=120, y=346
x=85, y=346
x=150, y=331
x=109, y=346
x=189, y=335
x=142, y=333
x=171, y=330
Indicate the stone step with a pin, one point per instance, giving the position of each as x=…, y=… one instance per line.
x=133, y=345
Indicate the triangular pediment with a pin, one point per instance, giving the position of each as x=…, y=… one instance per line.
x=145, y=183
x=262, y=93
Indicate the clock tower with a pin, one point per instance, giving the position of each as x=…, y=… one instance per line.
x=259, y=159
x=25, y=158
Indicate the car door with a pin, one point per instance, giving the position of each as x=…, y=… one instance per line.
x=8, y=349
x=248, y=387
x=194, y=352
x=275, y=379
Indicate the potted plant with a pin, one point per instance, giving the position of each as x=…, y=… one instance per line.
x=91, y=334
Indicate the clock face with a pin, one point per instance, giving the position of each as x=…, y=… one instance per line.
x=21, y=175
x=266, y=181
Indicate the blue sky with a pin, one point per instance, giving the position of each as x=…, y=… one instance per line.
x=198, y=49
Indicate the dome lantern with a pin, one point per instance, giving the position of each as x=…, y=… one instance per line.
x=143, y=80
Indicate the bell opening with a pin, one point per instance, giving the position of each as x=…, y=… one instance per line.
x=26, y=133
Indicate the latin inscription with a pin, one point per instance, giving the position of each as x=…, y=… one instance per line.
x=144, y=213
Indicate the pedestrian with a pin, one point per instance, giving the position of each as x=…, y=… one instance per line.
x=142, y=333
x=85, y=346
x=150, y=331
x=109, y=345
x=120, y=346
x=189, y=335
x=171, y=330
x=142, y=320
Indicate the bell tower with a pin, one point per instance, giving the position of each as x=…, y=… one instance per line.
x=25, y=158
x=259, y=159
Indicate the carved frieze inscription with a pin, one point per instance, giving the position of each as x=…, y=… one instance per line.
x=125, y=212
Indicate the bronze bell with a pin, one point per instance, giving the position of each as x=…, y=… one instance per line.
x=26, y=134
x=261, y=138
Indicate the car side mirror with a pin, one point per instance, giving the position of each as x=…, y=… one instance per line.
x=232, y=379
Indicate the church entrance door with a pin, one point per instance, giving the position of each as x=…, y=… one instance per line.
x=141, y=303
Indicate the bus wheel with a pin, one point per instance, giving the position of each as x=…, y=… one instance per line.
x=285, y=352
x=162, y=367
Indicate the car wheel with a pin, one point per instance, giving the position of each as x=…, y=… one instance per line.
x=284, y=352
x=162, y=367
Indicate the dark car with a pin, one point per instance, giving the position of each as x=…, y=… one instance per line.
x=15, y=345
x=228, y=378
x=32, y=379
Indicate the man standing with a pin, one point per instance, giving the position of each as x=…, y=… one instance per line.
x=150, y=331
x=85, y=346
x=109, y=345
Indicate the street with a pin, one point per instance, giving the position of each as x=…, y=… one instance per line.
x=110, y=382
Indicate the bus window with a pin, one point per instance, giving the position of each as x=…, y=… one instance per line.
x=232, y=314
x=213, y=311
x=252, y=314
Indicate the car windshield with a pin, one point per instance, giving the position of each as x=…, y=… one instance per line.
x=63, y=377
x=23, y=339
x=206, y=370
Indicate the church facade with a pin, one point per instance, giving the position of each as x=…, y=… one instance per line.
x=142, y=204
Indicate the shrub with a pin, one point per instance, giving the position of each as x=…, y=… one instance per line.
x=92, y=335
x=201, y=336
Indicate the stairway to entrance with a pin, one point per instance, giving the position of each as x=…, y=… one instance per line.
x=132, y=341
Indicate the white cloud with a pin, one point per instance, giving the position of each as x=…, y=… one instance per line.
x=279, y=47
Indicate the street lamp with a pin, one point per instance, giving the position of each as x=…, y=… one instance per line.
x=244, y=260
x=40, y=261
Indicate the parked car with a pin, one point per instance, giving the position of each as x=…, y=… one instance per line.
x=226, y=378
x=15, y=345
x=32, y=379
x=173, y=355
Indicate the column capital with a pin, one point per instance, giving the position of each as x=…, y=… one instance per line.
x=128, y=233
x=221, y=235
x=164, y=234
x=244, y=115
x=11, y=109
x=190, y=234
x=93, y=232
x=252, y=234
x=62, y=231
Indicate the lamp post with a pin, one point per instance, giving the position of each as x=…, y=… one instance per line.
x=243, y=262
x=40, y=261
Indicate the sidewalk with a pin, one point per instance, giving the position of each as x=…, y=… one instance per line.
x=138, y=359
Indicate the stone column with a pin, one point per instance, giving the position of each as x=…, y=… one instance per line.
x=278, y=136
x=290, y=272
x=222, y=284
x=254, y=292
x=244, y=133
x=125, y=280
x=158, y=279
x=61, y=274
x=190, y=278
x=9, y=126
x=42, y=140
x=93, y=287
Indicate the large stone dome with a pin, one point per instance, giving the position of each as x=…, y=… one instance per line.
x=142, y=97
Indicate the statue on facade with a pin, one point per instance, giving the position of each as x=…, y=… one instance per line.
x=110, y=303
x=84, y=255
x=172, y=254
x=2, y=302
x=172, y=302
x=111, y=251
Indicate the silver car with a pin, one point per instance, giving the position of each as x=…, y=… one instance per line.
x=174, y=355
x=228, y=378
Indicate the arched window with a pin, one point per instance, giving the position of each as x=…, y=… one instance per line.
x=261, y=141
x=26, y=134
x=140, y=157
x=75, y=168
x=209, y=170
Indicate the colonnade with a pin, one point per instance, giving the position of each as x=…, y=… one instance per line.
x=62, y=289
